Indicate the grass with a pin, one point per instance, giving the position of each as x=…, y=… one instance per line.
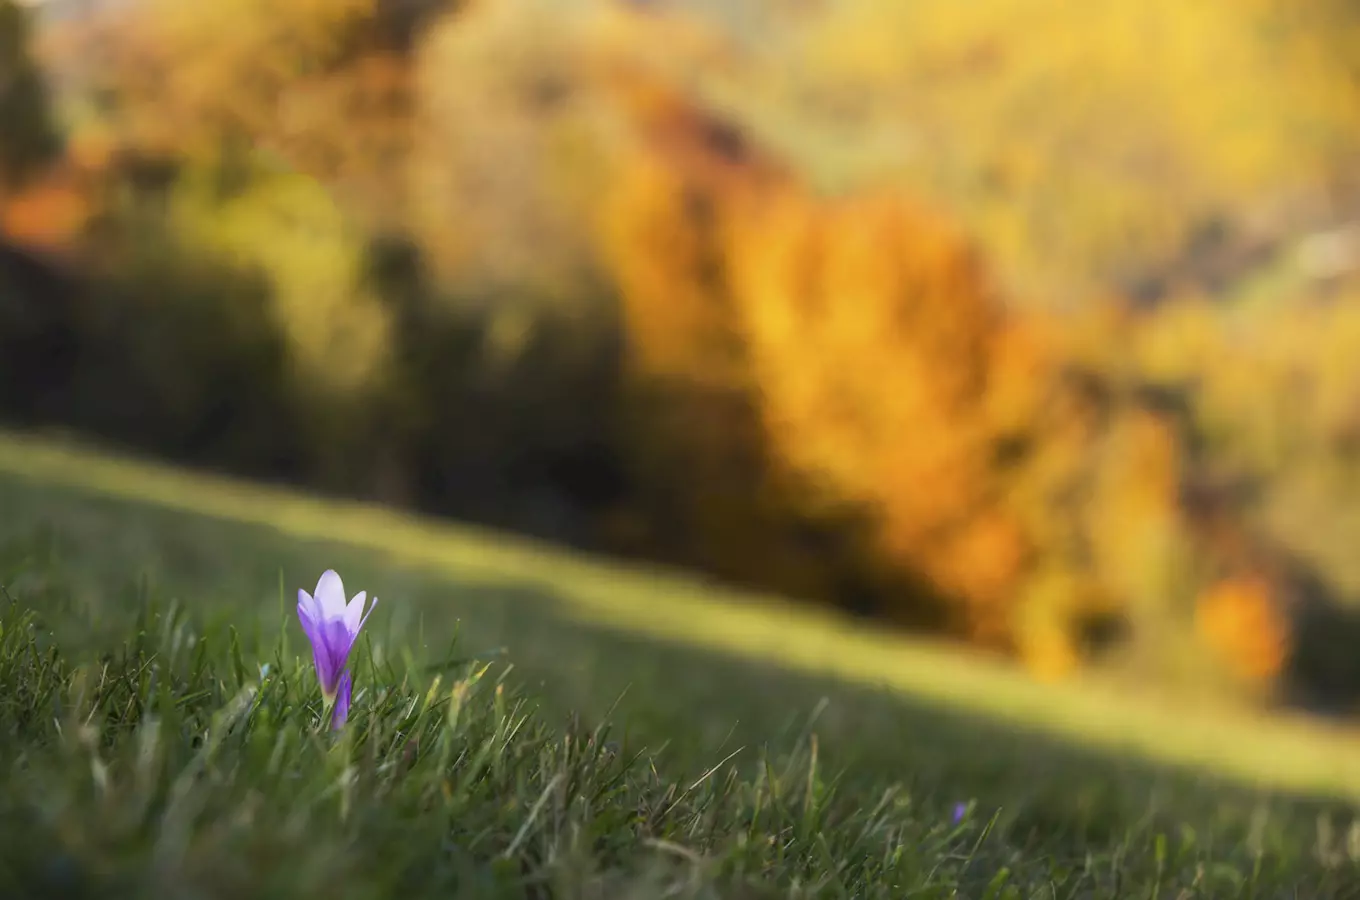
x=533, y=725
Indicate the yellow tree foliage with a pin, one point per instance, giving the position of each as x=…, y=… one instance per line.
x=304, y=101
x=506, y=154
x=1133, y=515
x=190, y=74
x=678, y=327
x=323, y=85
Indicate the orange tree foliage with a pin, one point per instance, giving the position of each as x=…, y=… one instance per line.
x=867, y=331
x=48, y=213
x=1241, y=622
x=871, y=329
x=1021, y=478
x=693, y=434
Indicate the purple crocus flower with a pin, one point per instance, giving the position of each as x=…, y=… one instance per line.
x=960, y=810
x=332, y=625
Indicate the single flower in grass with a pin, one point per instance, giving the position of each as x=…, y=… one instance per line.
x=960, y=810
x=332, y=625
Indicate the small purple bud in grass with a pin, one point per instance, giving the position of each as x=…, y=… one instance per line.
x=960, y=810
x=332, y=626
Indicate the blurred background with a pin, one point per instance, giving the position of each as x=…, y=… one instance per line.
x=1028, y=325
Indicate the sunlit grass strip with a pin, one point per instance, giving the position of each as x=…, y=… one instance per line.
x=1278, y=751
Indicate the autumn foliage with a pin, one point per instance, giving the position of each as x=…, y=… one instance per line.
x=1040, y=493
x=623, y=237
x=1241, y=622
x=867, y=331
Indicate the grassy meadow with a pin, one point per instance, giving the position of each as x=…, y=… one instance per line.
x=529, y=724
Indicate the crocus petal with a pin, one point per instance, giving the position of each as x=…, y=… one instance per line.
x=308, y=618
x=326, y=672
x=321, y=657
x=372, y=606
x=342, y=697
x=309, y=603
x=354, y=613
x=337, y=642
x=330, y=593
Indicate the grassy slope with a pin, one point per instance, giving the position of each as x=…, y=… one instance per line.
x=1074, y=776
